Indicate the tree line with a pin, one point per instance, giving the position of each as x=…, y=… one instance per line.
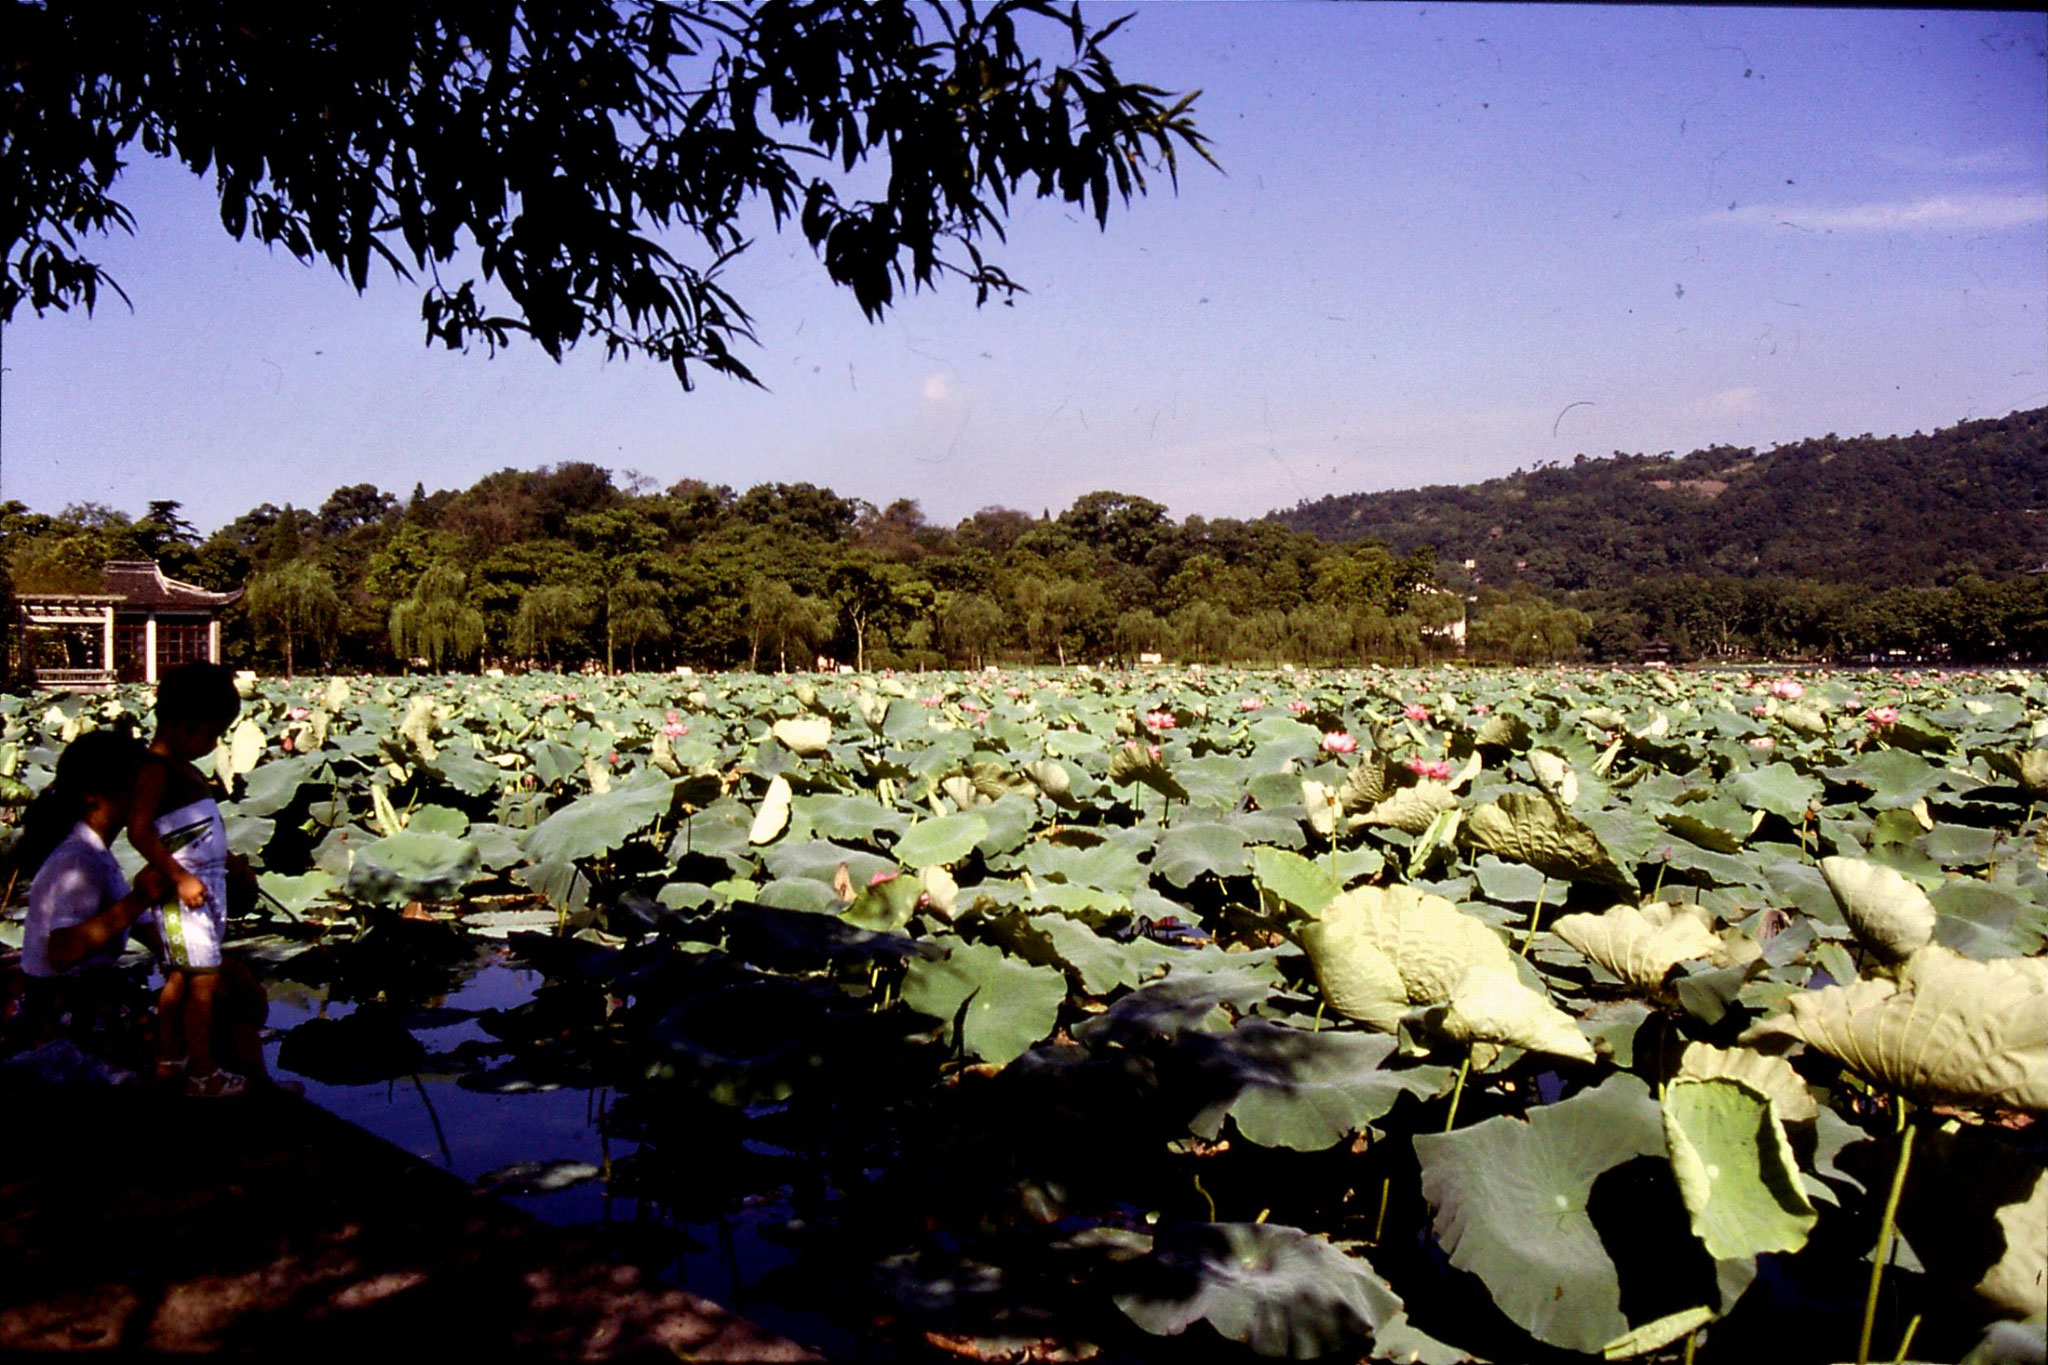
x=564, y=567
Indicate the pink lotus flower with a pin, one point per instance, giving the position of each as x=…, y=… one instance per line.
x=1880, y=716
x=1760, y=709
x=1298, y=706
x=612, y=758
x=285, y=743
x=1250, y=704
x=297, y=713
x=1157, y=721
x=1440, y=769
x=1480, y=708
x=1338, y=742
x=886, y=874
x=1014, y=692
x=674, y=729
x=1415, y=710
x=1764, y=743
x=1788, y=689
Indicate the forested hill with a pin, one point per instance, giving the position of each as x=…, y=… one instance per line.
x=1901, y=510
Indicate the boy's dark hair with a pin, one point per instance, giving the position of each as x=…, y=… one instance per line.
x=97, y=763
x=197, y=693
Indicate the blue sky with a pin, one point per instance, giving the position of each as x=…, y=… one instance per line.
x=1445, y=242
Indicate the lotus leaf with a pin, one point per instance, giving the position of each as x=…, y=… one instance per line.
x=1511, y=1199
x=298, y=893
x=2015, y=1283
x=942, y=893
x=1491, y=1005
x=1430, y=941
x=885, y=906
x=1137, y=763
x=1321, y=807
x=944, y=839
x=1554, y=774
x=244, y=749
x=1988, y=919
x=1735, y=1167
x=1188, y=851
x=1310, y=1090
x=1526, y=827
x=274, y=785
x=1767, y=1075
x=418, y=727
x=1777, y=788
x=1950, y=1028
x=804, y=735
x=773, y=816
x=1357, y=979
x=1367, y=784
x=410, y=866
x=1289, y=879
x=1276, y=1289
x=592, y=826
x=1890, y=914
x=1411, y=809
x=994, y=1006
x=1641, y=945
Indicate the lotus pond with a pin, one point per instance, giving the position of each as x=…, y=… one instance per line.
x=1374, y=1014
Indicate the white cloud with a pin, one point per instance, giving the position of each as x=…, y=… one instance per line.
x=1937, y=213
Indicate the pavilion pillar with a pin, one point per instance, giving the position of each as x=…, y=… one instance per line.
x=213, y=640
x=149, y=648
x=107, y=640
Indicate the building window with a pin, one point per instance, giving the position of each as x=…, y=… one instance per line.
x=131, y=651
x=179, y=642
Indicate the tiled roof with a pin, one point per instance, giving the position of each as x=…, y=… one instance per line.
x=141, y=583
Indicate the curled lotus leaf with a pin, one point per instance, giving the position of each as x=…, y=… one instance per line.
x=1430, y=942
x=1491, y=1005
x=1322, y=806
x=805, y=735
x=942, y=893
x=1735, y=1168
x=418, y=726
x=1554, y=774
x=1411, y=809
x=1950, y=1028
x=1535, y=828
x=2014, y=1283
x=1891, y=915
x=1358, y=980
x=1367, y=784
x=1137, y=763
x=1767, y=1075
x=1641, y=944
x=773, y=816
x=245, y=747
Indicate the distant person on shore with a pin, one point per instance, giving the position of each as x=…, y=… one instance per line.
x=175, y=824
x=81, y=909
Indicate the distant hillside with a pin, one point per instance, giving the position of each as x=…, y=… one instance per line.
x=1913, y=509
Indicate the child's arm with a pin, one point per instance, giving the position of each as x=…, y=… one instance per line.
x=74, y=943
x=150, y=785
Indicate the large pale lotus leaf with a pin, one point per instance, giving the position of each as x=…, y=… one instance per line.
x=2018, y=1283
x=1950, y=1028
x=773, y=816
x=245, y=747
x=1890, y=914
x=1492, y=1005
x=1532, y=828
x=1641, y=944
x=1431, y=942
x=1554, y=774
x=1358, y=980
x=1322, y=807
x=805, y=735
x=1735, y=1168
x=942, y=893
x=408, y=866
x=1772, y=1076
x=1411, y=809
x=1776, y=787
x=1276, y=1289
x=1511, y=1206
x=1188, y=851
x=993, y=1005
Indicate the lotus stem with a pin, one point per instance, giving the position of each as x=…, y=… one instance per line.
x=1692, y=1341
x=439, y=1136
x=1379, y=1224
x=1906, y=1341
x=1318, y=1028
x=1205, y=1198
x=1535, y=918
x=1457, y=1093
x=1886, y=1231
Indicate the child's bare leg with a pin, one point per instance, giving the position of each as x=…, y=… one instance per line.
x=244, y=1005
x=171, y=1049
x=201, y=993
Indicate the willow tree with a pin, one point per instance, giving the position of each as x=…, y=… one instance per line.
x=295, y=602
x=437, y=623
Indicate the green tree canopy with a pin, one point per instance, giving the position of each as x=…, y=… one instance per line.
x=593, y=162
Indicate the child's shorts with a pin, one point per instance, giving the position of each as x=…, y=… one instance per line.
x=192, y=935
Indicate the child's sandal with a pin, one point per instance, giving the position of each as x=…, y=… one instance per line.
x=216, y=1085
x=171, y=1070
